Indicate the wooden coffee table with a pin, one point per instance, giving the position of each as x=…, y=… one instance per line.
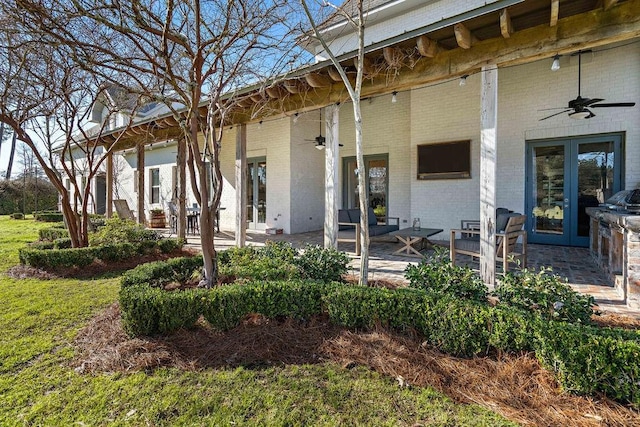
x=411, y=237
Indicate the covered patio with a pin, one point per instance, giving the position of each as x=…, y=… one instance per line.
x=573, y=263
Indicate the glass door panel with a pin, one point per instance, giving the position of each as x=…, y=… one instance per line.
x=595, y=179
x=548, y=190
x=566, y=177
x=261, y=184
x=377, y=181
x=256, y=193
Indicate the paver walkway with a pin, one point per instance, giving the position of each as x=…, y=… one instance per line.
x=574, y=264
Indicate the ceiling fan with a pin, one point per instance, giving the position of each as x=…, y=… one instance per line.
x=320, y=140
x=580, y=108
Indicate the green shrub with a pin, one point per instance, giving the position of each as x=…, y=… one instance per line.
x=281, y=251
x=159, y=273
x=169, y=245
x=225, y=306
x=546, y=295
x=41, y=245
x=364, y=307
x=116, y=252
x=323, y=264
x=590, y=360
x=436, y=275
x=53, y=233
x=62, y=243
x=17, y=215
x=258, y=263
x=48, y=216
x=459, y=327
x=55, y=258
x=149, y=311
x=118, y=230
x=297, y=299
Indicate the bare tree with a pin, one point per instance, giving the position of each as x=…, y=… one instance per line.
x=190, y=55
x=44, y=99
x=356, y=18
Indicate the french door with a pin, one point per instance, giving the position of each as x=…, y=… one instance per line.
x=564, y=177
x=257, y=193
x=377, y=181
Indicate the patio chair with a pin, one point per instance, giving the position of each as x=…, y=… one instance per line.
x=512, y=225
x=173, y=217
x=122, y=209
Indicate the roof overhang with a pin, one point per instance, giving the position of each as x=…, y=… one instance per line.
x=519, y=32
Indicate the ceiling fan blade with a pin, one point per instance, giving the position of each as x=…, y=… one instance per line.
x=555, y=114
x=588, y=102
x=614, y=104
x=554, y=108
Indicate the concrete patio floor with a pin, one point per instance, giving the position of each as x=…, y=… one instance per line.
x=573, y=264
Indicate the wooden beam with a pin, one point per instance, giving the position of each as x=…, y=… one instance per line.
x=317, y=80
x=555, y=10
x=331, y=161
x=392, y=55
x=427, y=47
x=608, y=4
x=506, y=27
x=241, y=185
x=488, y=159
x=463, y=36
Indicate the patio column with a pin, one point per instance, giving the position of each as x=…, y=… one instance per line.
x=488, y=157
x=332, y=114
x=181, y=159
x=241, y=185
x=140, y=153
x=109, y=210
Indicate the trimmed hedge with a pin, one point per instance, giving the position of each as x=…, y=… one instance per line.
x=587, y=359
x=53, y=233
x=48, y=216
x=41, y=256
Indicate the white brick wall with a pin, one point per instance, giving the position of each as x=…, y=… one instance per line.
x=386, y=130
x=445, y=112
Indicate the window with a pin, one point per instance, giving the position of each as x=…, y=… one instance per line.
x=447, y=160
x=155, y=185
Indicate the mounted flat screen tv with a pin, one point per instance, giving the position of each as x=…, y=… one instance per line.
x=445, y=160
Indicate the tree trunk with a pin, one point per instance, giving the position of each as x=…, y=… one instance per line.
x=11, y=155
x=363, y=196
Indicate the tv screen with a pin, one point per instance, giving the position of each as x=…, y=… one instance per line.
x=446, y=160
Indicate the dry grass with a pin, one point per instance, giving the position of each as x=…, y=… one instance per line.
x=516, y=387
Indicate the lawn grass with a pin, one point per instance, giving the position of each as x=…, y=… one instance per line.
x=38, y=320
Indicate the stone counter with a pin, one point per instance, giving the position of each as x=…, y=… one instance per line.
x=615, y=246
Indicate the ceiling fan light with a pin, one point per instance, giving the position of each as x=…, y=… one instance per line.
x=580, y=115
x=555, y=65
x=319, y=146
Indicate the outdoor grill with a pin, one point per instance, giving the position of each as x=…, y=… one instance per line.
x=631, y=202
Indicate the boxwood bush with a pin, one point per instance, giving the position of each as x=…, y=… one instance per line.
x=587, y=359
x=53, y=233
x=48, y=216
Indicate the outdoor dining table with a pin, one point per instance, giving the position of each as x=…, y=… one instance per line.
x=411, y=237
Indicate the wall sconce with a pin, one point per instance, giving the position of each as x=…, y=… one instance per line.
x=463, y=80
x=394, y=97
x=555, y=65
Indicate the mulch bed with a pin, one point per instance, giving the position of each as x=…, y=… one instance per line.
x=515, y=386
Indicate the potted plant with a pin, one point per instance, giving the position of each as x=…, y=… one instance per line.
x=156, y=218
